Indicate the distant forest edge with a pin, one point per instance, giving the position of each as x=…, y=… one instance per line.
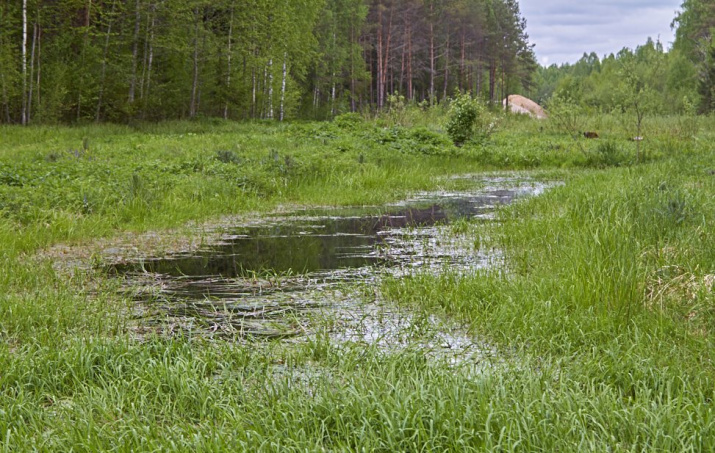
x=681, y=80
x=119, y=60
x=124, y=60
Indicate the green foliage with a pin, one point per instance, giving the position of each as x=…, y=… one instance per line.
x=132, y=61
x=467, y=119
x=608, y=153
x=599, y=85
x=349, y=121
x=565, y=115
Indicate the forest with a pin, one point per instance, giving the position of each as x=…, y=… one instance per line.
x=680, y=80
x=120, y=60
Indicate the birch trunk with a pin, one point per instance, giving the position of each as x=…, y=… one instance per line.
x=253, y=93
x=269, y=69
x=283, y=85
x=24, y=62
x=333, y=89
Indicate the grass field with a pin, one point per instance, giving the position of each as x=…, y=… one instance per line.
x=604, y=313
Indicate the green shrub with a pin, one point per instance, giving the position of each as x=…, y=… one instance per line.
x=427, y=137
x=462, y=120
x=349, y=121
x=469, y=120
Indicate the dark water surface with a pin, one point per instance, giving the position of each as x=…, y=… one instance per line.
x=260, y=278
x=312, y=241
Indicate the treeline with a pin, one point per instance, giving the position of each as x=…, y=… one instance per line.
x=681, y=80
x=124, y=60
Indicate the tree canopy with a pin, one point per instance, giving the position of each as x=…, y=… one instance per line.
x=125, y=60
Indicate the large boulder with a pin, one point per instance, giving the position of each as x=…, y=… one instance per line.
x=521, y=104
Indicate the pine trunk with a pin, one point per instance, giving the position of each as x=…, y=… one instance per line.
x=431, y=56
x=32, y=72
x=195, y=79
x=228, y=63
x=492, y=80
x=410, y=94
x=135, y=54
x=150, y=58
x=380, y=93
x=446, y=68
x=461, y=63
x=39, y=63
x=5, y=102
x=104, y=64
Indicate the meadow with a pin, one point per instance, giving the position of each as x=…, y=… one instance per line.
x=602, y=312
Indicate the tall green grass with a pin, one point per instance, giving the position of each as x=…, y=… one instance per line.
x=608, y=290
x=602, y=316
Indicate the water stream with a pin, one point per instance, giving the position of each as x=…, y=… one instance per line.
x=292, y=275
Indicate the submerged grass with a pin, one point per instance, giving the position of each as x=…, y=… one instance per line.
x=604, y=313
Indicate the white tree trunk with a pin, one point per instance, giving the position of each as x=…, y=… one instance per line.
x=269, y=115
x=283, y=85
x=253, y=92
x=24, y=62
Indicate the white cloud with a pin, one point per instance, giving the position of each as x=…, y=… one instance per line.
x=563, y=30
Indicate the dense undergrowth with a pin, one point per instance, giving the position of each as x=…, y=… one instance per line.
x=604, y=315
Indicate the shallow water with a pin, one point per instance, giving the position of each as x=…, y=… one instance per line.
x=292, y=275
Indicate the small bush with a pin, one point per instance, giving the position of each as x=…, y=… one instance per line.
x=462, y=121
x=427, y=137
x=349, y=121
x=566, y=116
x=469, y=120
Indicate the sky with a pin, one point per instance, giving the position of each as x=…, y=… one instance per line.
x=564, y=29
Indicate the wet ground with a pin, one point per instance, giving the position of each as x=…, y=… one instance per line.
x=291, y=276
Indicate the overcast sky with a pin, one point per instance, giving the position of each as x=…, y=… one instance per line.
x=564, y=29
